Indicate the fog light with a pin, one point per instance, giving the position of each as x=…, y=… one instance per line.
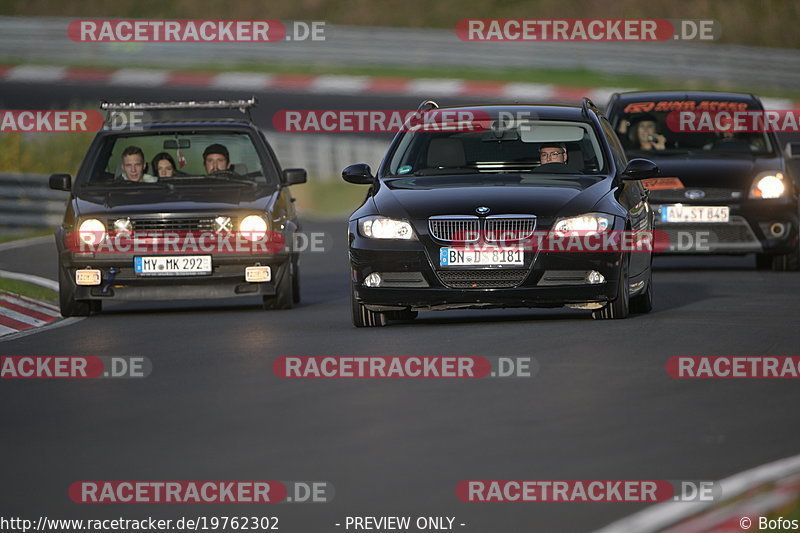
x=594, y=277
x=373, y=280
x=777, y=229
x=88, y=277
x=257, y=274
x=123, y=225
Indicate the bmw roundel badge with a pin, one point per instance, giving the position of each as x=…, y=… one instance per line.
x=482, y=210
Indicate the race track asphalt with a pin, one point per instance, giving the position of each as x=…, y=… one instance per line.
x=600, y=407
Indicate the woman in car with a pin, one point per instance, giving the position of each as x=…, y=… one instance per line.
x=641, y=133
x=648, y=136
x=163, y=165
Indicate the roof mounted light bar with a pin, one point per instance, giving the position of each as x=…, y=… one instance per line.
x=242, y=105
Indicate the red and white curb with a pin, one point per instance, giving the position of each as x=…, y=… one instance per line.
x=746, y=496
x=19, y=313
x=322, y=84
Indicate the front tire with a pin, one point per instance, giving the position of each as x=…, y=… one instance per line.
x=787, y=262
x=66, y=298
x=363, y=317
x=284, y=292
x=295, y=282
x=620, y=307
x=643, y=303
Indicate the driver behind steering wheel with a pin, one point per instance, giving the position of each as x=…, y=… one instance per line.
x=553, y=153
x=216, y=159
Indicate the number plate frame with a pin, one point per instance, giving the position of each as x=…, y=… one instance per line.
x=510, y=256
x=159, y=265
x=701, y=214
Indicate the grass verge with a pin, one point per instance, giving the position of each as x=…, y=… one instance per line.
x=24, y=234
x=28, y=289
x=328, y=198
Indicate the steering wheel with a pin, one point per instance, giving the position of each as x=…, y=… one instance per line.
x=223, y=173
x=555, y=168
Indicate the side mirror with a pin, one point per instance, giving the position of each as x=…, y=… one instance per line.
x=639, y=169
x=793, y=150
x=359, y=174
x=61, y=182
x=294, y=176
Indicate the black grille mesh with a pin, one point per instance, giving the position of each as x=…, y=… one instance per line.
x=482, y=279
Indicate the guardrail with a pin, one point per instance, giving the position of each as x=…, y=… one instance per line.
x=45, y=39
x=324, y=156
x=27, y=201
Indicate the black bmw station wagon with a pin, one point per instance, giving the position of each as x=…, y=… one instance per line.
x=472, y=216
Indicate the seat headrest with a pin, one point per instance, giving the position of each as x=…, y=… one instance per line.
x=575, y=159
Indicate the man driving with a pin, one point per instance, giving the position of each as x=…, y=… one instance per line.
x=553, y=153
x=216, y=158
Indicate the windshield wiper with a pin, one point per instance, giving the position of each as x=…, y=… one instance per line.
x=234, y=181
x=663, y=153
x=443, y=171
x=128, y=186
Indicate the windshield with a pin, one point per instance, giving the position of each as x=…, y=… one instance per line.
x=178, y=158
x=524, y=147
x=656, y=128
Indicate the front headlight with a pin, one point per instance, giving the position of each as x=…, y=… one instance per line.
x=385, y=228
x=587, y=224
x=92, y=231
x=253, y=227
x=768, y=185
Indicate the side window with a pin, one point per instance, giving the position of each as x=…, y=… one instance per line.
x=276, y=166
x=616, y=147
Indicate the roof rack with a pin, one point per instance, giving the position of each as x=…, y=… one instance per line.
x=242, y=105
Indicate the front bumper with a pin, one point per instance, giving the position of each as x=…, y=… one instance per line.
x=548, y=280
x=750, y=229
x=120, y=282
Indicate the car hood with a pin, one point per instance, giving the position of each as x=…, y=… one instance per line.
x=142, y=201
x=733, y=172
x=505, y=197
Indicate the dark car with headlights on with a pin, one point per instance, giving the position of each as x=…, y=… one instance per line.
x=725, y=185
x=219, y=224
x=452, y=211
